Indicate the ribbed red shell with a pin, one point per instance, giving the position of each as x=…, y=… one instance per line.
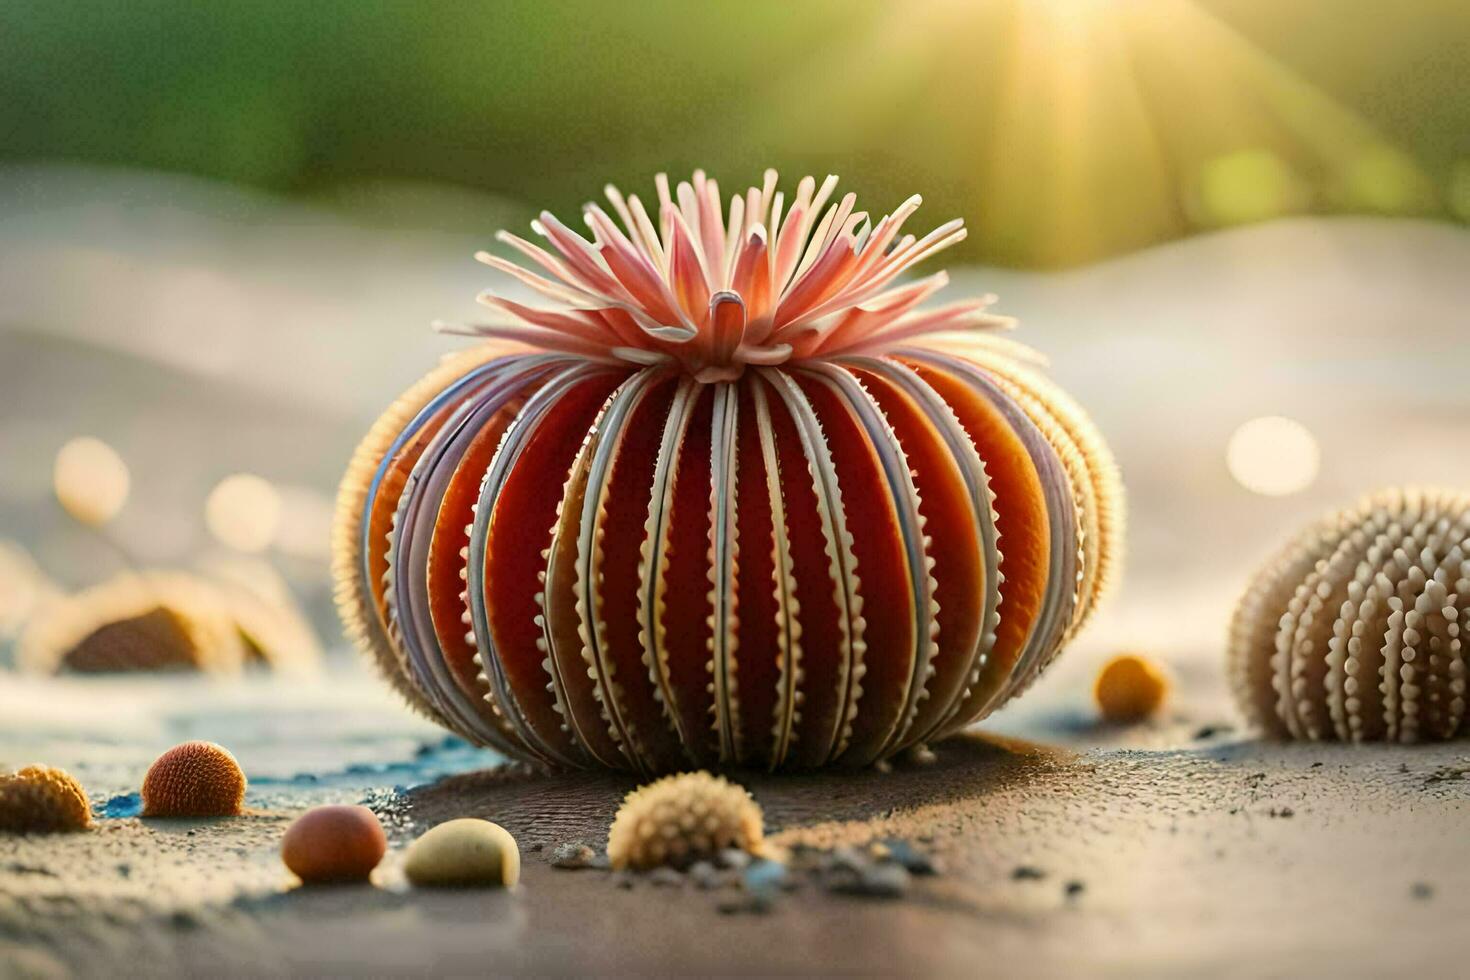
x=817, y=563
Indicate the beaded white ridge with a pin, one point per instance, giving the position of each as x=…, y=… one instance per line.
x=1353, y=631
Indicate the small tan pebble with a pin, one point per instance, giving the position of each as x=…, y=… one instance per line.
x=679, y=819
x=468, y=852
x=1130, y=688
x=195, y=779
x=666, y=877
x=845, y=857
x=40, y=799
x=573, y=856
x=885, y=879
x=913, y=860
x=733, y=858
x=334, y=844
x=920, y=755
x=705, y=875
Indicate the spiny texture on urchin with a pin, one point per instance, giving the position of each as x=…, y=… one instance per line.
x=359, y=608
x=736, y=497
x=195, y=779
x=679, y=819
x=1352, y=631
x=40, y=799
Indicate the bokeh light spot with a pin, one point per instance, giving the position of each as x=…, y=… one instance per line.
x=305, y=529
x=1246, y=186
x=1273, y=456
x=243, y=512
x=91, y=480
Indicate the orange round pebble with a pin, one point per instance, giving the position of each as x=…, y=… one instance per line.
x=195, y=779
x=1129, y=688
x=334, y=844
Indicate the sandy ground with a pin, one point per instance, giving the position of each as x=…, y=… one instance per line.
x=1226, y=858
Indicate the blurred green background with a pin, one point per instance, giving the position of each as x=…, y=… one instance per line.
x=1061, y=130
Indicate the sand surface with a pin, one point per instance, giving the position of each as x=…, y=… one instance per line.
x=1229, y=857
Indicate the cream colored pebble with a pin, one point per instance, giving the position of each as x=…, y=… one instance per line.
x=464, y=853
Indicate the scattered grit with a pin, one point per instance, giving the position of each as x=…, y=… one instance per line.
x=883, y=869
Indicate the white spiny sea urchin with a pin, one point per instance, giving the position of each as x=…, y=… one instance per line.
x=1352, y=631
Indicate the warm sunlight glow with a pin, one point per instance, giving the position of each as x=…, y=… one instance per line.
x=1125, y=122
x=1080, y=8
x=1273, y=456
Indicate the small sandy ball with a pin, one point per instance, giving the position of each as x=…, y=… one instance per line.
x=40, y=799
x=1130, y=688
x=196, y=779
x=680, y=819
x=464, y=853
x=334, y=844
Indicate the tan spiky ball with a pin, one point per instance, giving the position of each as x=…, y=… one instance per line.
x=40, y=799
x=678, y=819
x=195, y=779
x=1352, y=631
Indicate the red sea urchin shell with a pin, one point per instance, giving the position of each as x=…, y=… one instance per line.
x=195, y=779
x=739, y=508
